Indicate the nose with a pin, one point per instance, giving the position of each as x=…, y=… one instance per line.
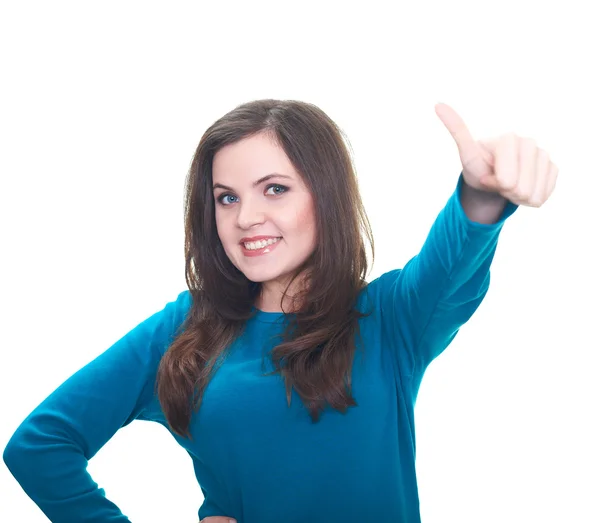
x=250, y=213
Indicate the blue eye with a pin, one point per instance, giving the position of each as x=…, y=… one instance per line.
x=223, y=199
x=280, y=188
x=228, y=198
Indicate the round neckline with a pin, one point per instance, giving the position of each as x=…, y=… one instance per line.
x=268, y=317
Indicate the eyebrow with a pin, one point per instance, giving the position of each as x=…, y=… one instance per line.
x=256, y=183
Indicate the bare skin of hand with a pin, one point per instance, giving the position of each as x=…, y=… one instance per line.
x=218, y=519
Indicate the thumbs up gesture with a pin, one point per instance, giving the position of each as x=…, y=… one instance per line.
x=509, y=165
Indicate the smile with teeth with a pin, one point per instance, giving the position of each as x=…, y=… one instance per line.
x=251, y=246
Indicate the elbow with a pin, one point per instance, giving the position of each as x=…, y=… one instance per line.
x=18, y=456
x=15, y=450
x=13, y=456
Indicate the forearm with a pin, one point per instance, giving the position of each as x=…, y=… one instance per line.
x=439, y=289
x=482, y=206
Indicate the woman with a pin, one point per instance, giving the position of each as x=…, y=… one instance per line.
x=288, y=378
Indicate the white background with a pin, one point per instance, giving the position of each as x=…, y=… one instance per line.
x=102, y=106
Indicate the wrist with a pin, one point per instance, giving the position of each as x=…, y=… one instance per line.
x=482, y=206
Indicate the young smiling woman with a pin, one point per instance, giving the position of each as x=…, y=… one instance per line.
x=287, y=377
x=267, y=229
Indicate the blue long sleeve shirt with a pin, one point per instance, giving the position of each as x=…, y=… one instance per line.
x=255, y=458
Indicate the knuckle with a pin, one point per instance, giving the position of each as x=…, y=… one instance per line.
x=504, y=138
x=512, y=187
x=537, y=202
x=521, y=193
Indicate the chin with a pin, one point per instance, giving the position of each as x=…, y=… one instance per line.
x=261, y=276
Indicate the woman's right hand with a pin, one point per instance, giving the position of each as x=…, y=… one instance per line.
x=218, y=519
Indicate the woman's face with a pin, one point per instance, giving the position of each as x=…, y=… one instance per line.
x=264, y=211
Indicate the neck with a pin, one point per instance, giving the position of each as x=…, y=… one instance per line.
x=270, y=297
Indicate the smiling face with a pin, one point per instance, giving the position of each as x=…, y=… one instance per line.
x=264, y=213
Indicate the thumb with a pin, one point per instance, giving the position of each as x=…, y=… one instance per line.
x=490, y=184
x=467, y=146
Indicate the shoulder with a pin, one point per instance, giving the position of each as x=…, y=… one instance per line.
x=383, y=283
x=179, y=308
x=372, y=298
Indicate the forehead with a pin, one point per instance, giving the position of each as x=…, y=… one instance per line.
x=250, y=159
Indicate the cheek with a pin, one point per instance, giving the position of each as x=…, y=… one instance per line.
x=306, y=220
x=221, y=221
x=223, y=231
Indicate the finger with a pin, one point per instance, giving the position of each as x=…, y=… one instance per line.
x=552, y=178
x=467, y=146
x=540, y=191
x=487, y=150
x=217, y=519
x=506, y=167
x=528, y=172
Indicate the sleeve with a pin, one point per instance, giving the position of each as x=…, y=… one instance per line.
x=438, y=290
x=49, y=452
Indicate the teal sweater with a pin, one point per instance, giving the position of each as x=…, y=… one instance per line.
x=255, y=458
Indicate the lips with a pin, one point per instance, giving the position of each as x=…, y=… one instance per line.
x=257, y=239
x=259, y=251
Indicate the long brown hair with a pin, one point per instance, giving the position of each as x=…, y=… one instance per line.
x=316, y=353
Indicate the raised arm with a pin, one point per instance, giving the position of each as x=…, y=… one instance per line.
x=49, y=452
x=438, y=290
x=425, y=303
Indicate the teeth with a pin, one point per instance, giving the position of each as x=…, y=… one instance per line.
x=261, y=244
